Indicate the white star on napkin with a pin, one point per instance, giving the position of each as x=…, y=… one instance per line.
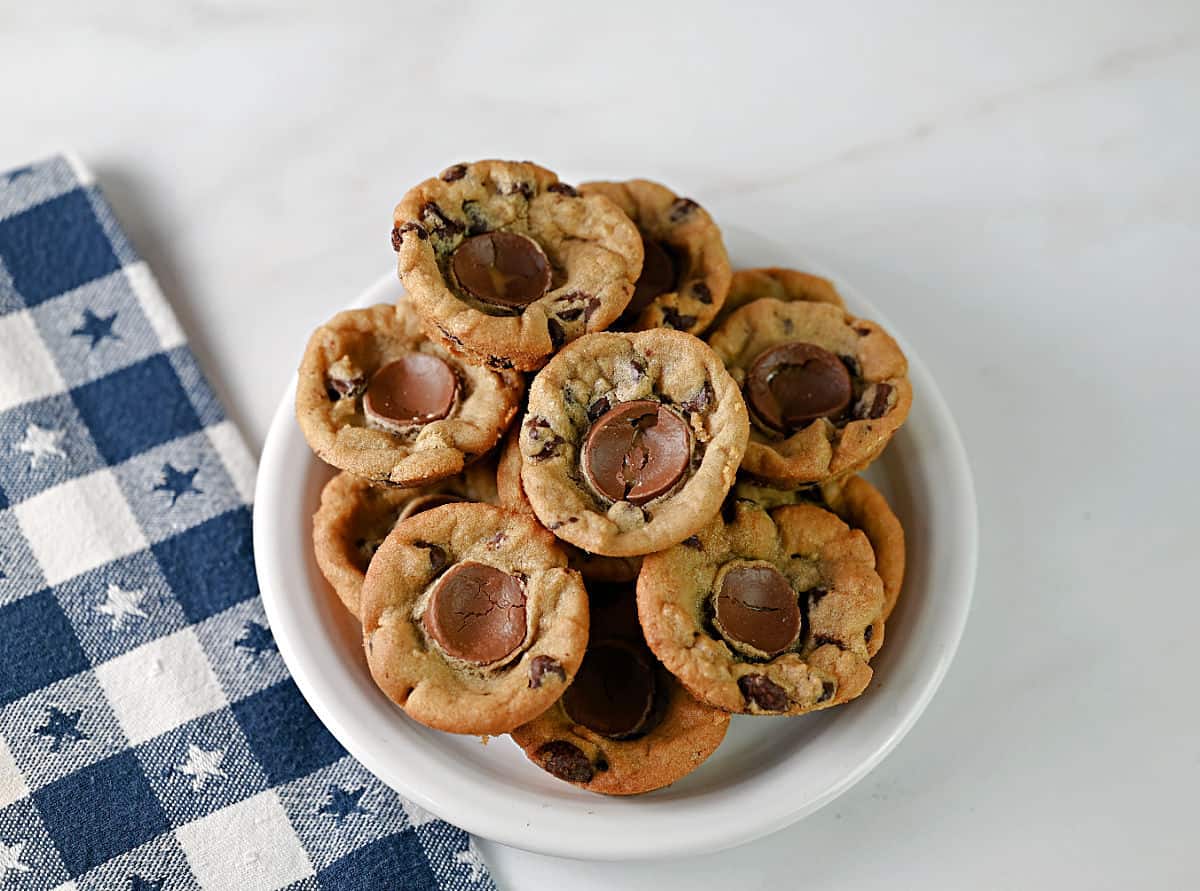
x=40, y=443
x=121, y=603
x=202, y=764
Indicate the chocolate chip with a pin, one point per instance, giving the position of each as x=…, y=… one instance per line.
x=496, y=540
x=868, y=633
x=590, y=305
x=636, y=451
x=558, y=524
x=344, y=388
x=499, y=362
x=570, y=315
x=450, y=337
x=827, y=691
x=692, y=541
x=681, y=208
x=673, y=319
x=601, y=763
x=410, y=226
x=597, y=408
x=438, y=559
x=438, y=222
x=700, y=401
x=542, y=666
x=763, y=692
x=879, y=405
x=534, y=422
x=562, y=189
x=476, y=612
x=477, y=224
x=813, y=596
x=639, y=367
x=548, y=450
x=558, y=334
x=450, y=174
x=702, y=292
x=793, y=384
x=565, y=761
x=523, y=189
x=822, y=640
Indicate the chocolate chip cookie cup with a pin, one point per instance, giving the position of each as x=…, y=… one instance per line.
x=826, y=391
x=377, y=398
x=685, y=270
x=355, y=517
x=625, y=725
x=770, y=614
x=630, y=441
x=511, y=494
x=506, y=264
x=472, y=622
x=776, y=283
x=861, y=506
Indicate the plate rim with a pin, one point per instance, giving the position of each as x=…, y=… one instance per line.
x=630, y=845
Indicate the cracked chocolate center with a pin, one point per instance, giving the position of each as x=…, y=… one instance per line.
x=636, y=451
x=657, y=277
x=502, y=269
x=795, y=383
x=476, y=613
x=415, y=389
x=756, y=610
x=613, y=691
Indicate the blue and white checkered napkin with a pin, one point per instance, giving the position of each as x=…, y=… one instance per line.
x=150, y=737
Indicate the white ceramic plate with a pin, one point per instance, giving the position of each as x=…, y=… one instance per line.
x=769, y=772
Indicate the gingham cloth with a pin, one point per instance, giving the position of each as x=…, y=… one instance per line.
x=150, y=736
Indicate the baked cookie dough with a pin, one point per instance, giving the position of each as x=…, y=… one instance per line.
x=775, y=283
x=826, y=391
x=630, y=441
x=625, y=725
x=770, y=614
x=376, y=397
x=506, y=264
x=511, y=494
x=355, y=517
x=472, y=622
x=685, y=270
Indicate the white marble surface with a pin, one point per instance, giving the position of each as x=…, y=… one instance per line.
x=1018, y=184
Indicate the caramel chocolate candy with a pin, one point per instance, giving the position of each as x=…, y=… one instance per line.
x=757, y=610
x=795, y=383
x=502, y=269
x=636, y=451
x=415, y=389
x=613, y=691
x=658, y=276
x=476, y=613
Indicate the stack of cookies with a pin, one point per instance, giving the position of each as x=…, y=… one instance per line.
x=598, y=491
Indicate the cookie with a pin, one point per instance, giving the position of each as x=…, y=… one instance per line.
x=770, y=613
x=826, y=391
x=511, y=494
x=685, y=270
x=355, y=517
x=630, y=441
x=472, y=622
x=506, y=264
x=786, y=285
x=377, y=398
x=861, y=506
x=625, y=725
